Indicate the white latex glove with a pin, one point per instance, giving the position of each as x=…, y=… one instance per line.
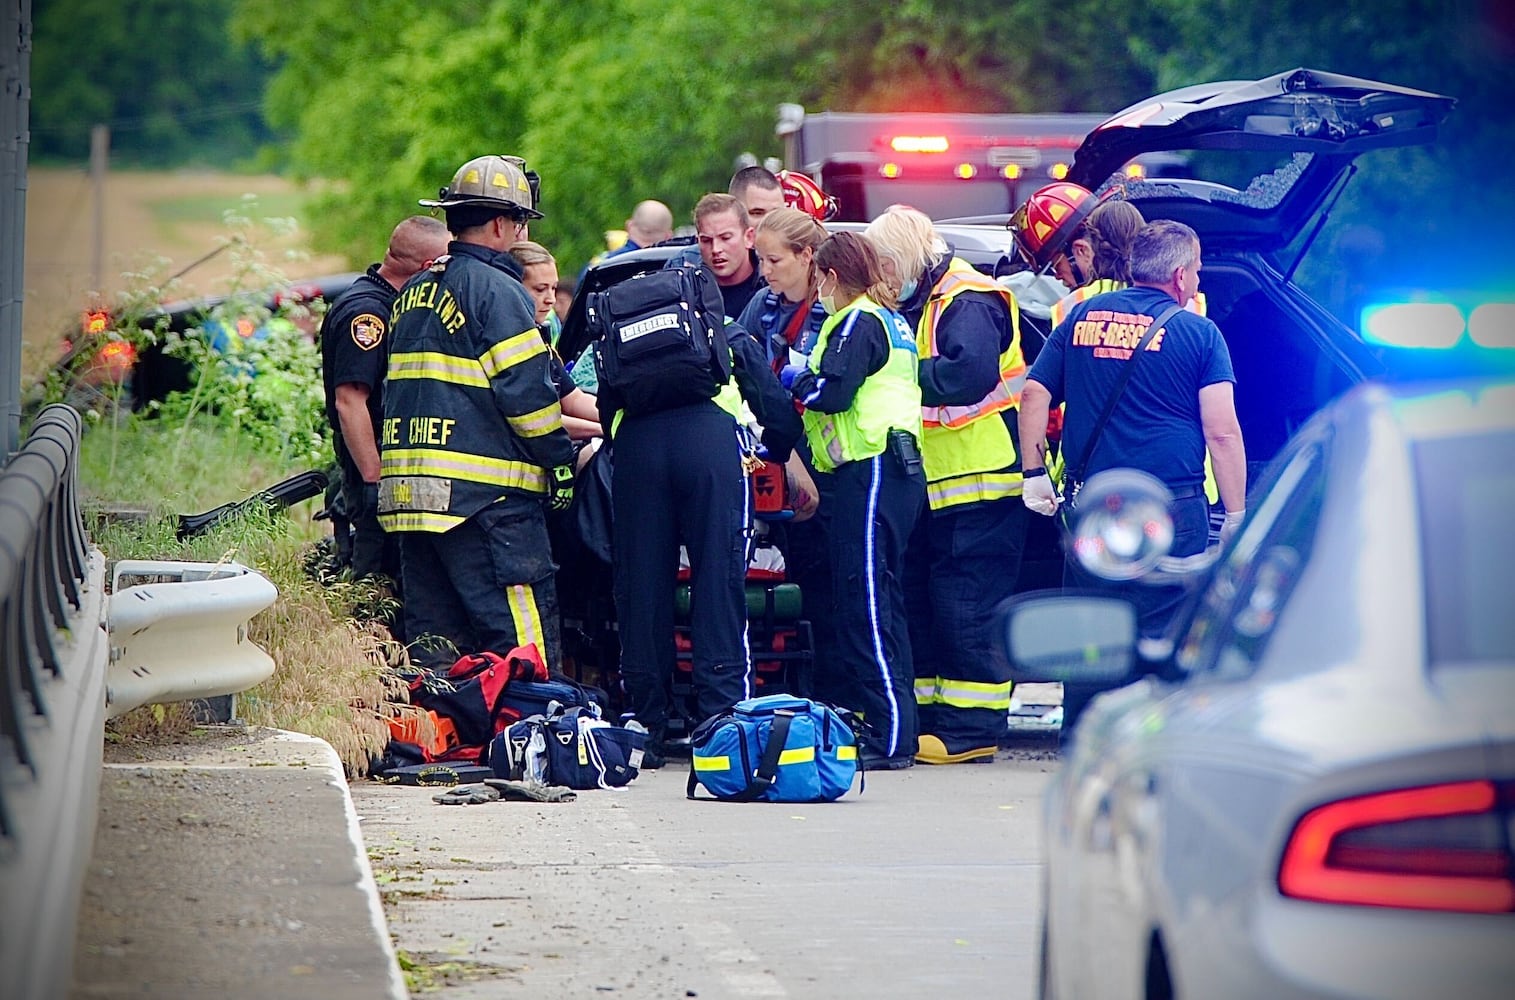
x=1233, y=521
x=1040, y=496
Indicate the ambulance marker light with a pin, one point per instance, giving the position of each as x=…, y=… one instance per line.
x=919, y=144
x=889, y=170
x=1058, y=171
x=1011, y=171
x=965, y=170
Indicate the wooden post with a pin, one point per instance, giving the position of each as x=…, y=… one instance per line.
x=99, y=163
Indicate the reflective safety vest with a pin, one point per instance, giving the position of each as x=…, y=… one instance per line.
x=889, y=399
x=967, y=450
x=963, y=694
x=1098, y=286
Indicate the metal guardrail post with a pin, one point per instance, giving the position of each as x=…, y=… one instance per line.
x=53, y=650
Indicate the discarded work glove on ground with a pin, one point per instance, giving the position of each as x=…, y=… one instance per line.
x=497, y=789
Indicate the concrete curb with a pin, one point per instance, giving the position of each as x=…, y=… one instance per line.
x=366, y=883
x=232, y=867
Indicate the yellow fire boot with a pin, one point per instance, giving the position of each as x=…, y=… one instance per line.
x=933, y=751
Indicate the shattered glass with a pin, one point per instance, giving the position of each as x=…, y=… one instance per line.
x=1265, y=191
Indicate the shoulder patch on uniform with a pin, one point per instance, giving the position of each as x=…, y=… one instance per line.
x=367, y=331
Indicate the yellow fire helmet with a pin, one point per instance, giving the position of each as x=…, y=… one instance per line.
x=491, y=181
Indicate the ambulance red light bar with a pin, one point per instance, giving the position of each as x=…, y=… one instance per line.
x=919, y=143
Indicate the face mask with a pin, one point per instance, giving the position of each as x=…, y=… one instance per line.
x=827, y=302
x=908, y=289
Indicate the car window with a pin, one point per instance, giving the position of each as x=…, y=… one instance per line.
x=1466, y=488
x=1241, y=605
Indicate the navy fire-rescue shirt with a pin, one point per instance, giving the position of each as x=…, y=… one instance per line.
x=1156, y=424
x=355, y=346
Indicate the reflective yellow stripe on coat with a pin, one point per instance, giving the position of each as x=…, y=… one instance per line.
x=464, y=465
x=961, y=277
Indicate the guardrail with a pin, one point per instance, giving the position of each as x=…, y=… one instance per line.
x=182, y=634
x=53, y=650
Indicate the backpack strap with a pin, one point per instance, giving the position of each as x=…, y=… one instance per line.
x=1075, y=473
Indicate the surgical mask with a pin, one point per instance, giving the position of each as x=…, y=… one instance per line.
x=827, y=302
x=908, y=289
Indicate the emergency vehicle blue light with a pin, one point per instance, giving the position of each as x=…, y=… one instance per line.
x=1413, y=324
x=1493, y=325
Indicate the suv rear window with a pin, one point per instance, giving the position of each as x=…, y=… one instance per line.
x=1466, y=488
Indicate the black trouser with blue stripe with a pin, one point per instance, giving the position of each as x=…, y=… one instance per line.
x=677, y=478
x=874, y=504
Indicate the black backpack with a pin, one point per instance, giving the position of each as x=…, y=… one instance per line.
x=661, y=339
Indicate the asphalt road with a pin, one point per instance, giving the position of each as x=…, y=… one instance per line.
x=925, y=885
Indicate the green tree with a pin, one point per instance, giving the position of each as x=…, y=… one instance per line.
x=163, y=74
x=630, y=99
x=657, y=101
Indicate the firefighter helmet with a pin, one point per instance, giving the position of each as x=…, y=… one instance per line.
x=491, y=181
x=1048, y=221
x=806, y=195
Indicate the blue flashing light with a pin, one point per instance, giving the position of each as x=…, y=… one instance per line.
x=1493, y=325
x=1437, y=325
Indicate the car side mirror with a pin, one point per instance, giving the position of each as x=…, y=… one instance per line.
x=1053, y=635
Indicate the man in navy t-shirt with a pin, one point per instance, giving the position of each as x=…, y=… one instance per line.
x=1178, y=401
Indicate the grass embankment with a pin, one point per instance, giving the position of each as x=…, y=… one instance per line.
x=249, y=418
x=331, y=672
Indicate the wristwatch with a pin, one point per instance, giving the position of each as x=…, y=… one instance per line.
x=1032, y=473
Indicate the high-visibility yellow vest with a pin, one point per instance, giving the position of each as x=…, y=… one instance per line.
x=889, y=399
x=967, y=450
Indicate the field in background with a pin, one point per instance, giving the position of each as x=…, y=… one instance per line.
x=172, y=215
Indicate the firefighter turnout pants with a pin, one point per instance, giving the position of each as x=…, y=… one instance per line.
x=676, y=477
x=485, y=585
x=963, y=562
x=875, y=502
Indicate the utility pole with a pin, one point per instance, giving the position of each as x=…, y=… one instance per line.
x=99, y=163
x=15, y=136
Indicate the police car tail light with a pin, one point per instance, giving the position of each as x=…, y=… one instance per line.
x=1435, y=847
